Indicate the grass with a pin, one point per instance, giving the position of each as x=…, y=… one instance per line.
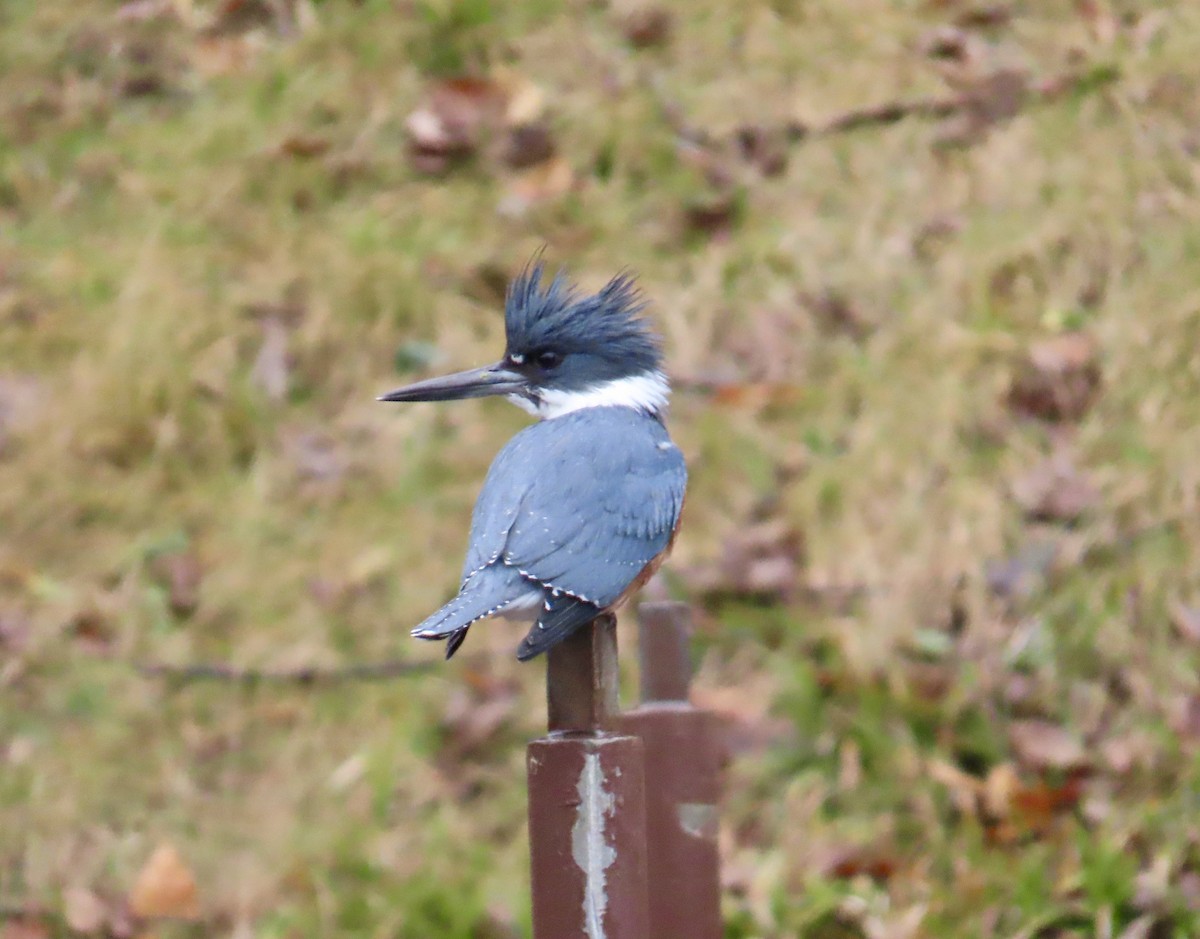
x=154, y=231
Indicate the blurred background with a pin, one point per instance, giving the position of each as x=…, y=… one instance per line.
x=926, y=272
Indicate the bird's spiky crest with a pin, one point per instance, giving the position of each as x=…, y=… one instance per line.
x=556, y=315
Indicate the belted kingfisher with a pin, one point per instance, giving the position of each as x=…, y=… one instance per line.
x=579, y=510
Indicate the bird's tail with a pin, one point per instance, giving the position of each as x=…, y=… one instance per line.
x=565, y=615
x=480, y=597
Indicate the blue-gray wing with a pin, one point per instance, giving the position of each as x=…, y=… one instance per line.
x=581, y=503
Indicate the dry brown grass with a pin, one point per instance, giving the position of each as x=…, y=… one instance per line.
x=149, y=241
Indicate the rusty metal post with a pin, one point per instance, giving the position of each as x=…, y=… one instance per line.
x=587, y=800
x=683, y=780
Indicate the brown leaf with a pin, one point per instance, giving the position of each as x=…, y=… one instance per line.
x=181, y=573
x=14, y=632
x=744, y=718
x=761, y=560
x=83, y=910
x=1058, y=379
x=25, y=927
x=304, y=146
x=1185, y=716
x=528, y=145
x=951, y=44
x=648, y=26
x=1036, y=805
x=453, y=120
x=965, y=790
x=524, y=100
x=998, y=96
x=712, y=214
x=548, y=180
x=93, y=629
x=471, y=720
x=165, y=887
x=1054, y=491
x=985, y=16
x=764, y=147
x=231, y=17
x=837, y=313
x=1041, y=745
x=215, y=56
x=1186, y=622
x=860, y=860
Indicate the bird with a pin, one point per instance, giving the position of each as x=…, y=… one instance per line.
x=579, y=509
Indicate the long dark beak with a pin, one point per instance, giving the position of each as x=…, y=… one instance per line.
x=474, y=383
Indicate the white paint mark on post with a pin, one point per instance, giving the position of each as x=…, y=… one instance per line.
x=589, y=848
x=698, y=819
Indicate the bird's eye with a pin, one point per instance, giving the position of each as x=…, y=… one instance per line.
x=548, y=358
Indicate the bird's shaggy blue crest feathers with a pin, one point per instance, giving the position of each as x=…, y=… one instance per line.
x=606, y=324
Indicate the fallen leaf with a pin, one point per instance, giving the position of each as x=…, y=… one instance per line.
x=1035, y=806
x=304, y=146
x=999, y=787
x=93, y=629
x=1123, y=754
x=525, y=101
x=1185, y=716
x=471, y=720
x=528, y=145
x=763, y=147
x=1188, y=885
x=232, y=17
x=25, y=927
x=83, y=910
x=165, y=887
x=1058, y=379
x=950, y=43
x=453, y=120
x=648, y=26
x=761, y=560
x=14, y=632
x=714, y=214
x=1144, y=927
x=858, y=861
x=998, y=96
x=985, y=16
x=1186, y=622
x=216, y=56
x=1054, y=491
x=987, y=100
x=548, y=180
x=180, y=572
x=965, y=790
x=1042, y=745
x=837, y=313
x=933, y=236
x=744, y=719
x=137, y=11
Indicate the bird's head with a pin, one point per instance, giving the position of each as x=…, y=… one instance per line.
x=565, y=351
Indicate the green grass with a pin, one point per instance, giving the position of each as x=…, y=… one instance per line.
x=145, y=240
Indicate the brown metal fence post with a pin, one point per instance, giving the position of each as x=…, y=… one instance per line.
x=683, y=769
x=587, y=800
